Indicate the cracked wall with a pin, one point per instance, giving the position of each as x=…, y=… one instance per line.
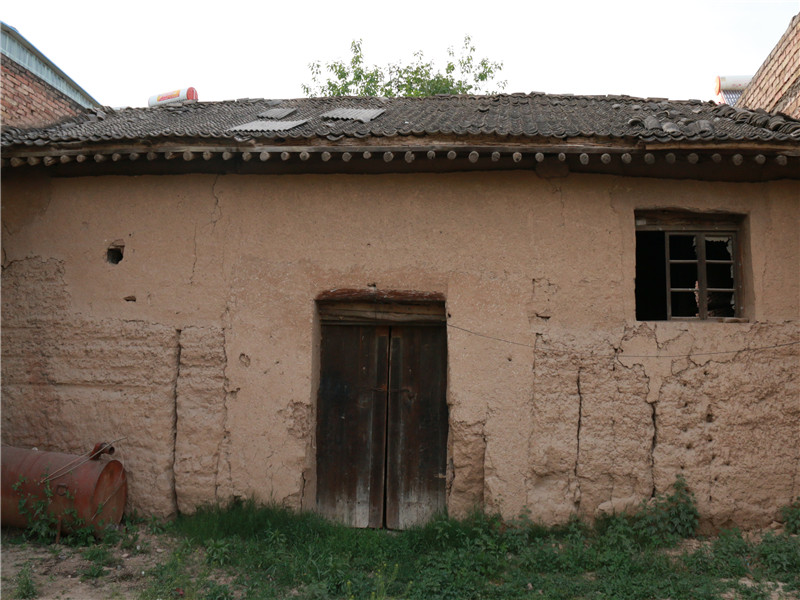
x=200, y=347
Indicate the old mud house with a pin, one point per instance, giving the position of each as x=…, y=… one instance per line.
x=379, y=308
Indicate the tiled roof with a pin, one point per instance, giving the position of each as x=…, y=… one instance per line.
x=516, y=115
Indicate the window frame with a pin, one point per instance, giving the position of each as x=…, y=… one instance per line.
x=699, y=225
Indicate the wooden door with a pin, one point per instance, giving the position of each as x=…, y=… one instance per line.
x=382, y=424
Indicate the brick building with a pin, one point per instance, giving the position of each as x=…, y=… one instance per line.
x=776, y=85
x=35, y=91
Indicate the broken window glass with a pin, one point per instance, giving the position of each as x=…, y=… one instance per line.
x=686, y=266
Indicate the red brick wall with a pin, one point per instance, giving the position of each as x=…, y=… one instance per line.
x=776, y=85
x=28, y=101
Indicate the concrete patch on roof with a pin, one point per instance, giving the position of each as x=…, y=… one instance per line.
x=268, y=125
x=365, y=115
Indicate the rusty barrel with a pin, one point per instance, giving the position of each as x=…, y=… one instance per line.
x=75, y=490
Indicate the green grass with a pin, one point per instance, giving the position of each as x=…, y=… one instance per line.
x=257, y=552
x=247, y=551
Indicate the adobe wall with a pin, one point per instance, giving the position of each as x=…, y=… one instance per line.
x=200, y=348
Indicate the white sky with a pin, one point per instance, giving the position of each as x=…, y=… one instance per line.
x=124, y=52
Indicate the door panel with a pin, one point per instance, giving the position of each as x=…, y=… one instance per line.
x=382, y=424
x=351, y=426
x=417, y=426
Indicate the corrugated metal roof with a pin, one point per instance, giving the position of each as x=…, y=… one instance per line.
x=268, y=125
x=276, y=113
x=365, y=115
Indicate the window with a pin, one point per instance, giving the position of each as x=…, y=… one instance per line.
x=688, y=266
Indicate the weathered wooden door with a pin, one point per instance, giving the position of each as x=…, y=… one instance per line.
x=382, y=424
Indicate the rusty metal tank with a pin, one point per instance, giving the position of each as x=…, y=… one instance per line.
x=78, y=490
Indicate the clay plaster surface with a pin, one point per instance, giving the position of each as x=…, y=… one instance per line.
x=201, y=345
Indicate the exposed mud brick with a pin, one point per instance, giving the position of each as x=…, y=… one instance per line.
x=552, y=491
x=616, y=436
x=466, y=477
x=69, y=382
x=592, y=437
x=201, y=416
x=730, y=425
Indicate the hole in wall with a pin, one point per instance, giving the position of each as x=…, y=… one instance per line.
x=115, y=251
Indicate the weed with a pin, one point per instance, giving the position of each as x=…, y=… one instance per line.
x=791, y=516
x=667, y=519
x=217, y=591
x=218, y=551
x=780, y=555
x=25, y=587
x=93, y=571
x=42, y=524
x=99, y=555
x=156, y=525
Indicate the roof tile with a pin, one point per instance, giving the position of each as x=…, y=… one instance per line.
x=524, y=115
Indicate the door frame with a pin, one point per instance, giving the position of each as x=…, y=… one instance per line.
x=379, y=311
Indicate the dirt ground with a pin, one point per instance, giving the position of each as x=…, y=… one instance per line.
x=62, y=572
